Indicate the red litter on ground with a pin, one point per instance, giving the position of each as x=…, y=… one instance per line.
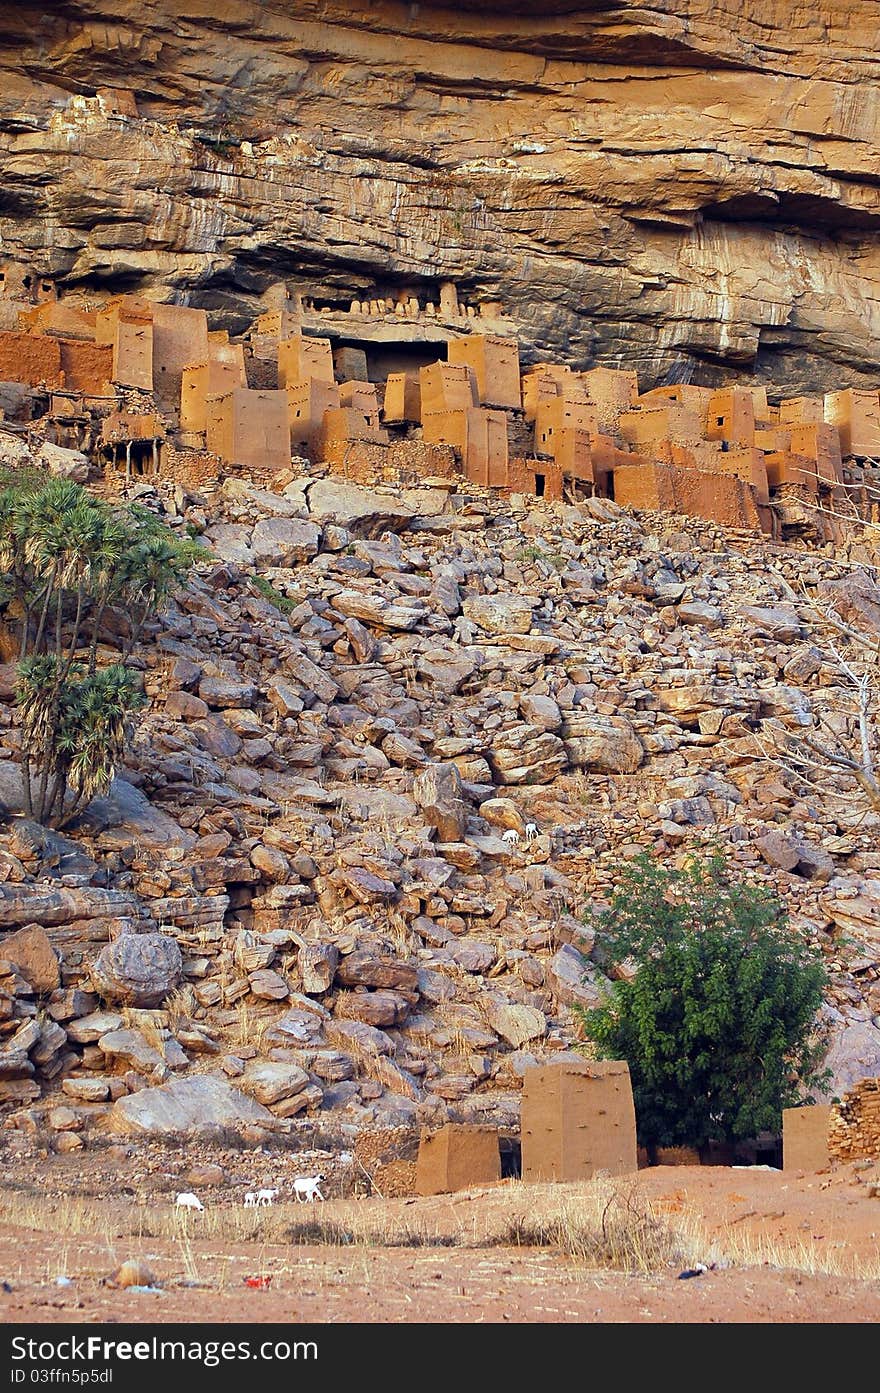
x=258, y=1283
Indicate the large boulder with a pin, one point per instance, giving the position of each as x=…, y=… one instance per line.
x=138, y=969
x=523, y=755
x=570, y=977
x=28, y=904
x=607, y=744
x=284, y=541
x=63, y=463
x=271, y=1083
x=230, y=541
x=853, y=1055
x=365, y=512
x=365, y=969
x=438, y=792
x=185, y=1106
x=856, y=599
x=791, y=853
x=515, y=1023
x=500, y=614
x=34, y=956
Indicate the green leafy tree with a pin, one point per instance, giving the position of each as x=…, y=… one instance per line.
x=717, y=1023
x=66, y=559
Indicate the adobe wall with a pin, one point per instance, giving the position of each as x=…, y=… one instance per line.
x=121, y=426
x=59, y=319
x=798, y=411
x=555, y=414
x=719, y=498
x=33, y=359
x=446, y=427
x=785, y=469
x=857, y=417
x=301, y=358
x=403, y=399
x=87, y=367
x=180, y=336
x=249, y=428
x=613, y=391
x=457, y=1157
x=578, y=1120
x=495, y=362
x=730, y=416
x=133, y=354
x=306, y=405
x=350, y=364
x=819, y=442
x=199, y=381
x=361, y=396
x=805, y=1138
x=447, y=387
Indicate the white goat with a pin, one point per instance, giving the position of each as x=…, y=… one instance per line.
x=250, y=1199
x=267, y=1196
x=308, y=1188
x=511, y=836
x=187, y=1200
x=531, y=832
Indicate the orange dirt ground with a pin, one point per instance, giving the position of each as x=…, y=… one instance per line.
x=820, y=1235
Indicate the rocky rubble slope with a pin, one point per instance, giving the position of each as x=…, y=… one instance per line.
x=686, y=187
x=298, y=902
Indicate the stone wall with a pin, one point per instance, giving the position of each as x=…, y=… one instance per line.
x=854, y=1132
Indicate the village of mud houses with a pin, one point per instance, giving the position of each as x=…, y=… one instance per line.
x=439, y=672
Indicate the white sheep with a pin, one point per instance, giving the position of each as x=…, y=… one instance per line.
x=308, y=1188
x=531, y=832
x=187, y=1200
x=267, y=1196
x=511, y=836
x=250, y=1199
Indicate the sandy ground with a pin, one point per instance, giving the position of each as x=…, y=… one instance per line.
x=818, y=1236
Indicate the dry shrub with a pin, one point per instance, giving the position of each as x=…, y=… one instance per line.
x=611, y=1225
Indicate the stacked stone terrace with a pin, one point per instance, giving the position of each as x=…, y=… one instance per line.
x=150, y=389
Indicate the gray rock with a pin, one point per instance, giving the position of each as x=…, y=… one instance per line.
x=569, y=977
x=365, y=969
x=702, y=615
x=365, y=512
x=224, y=693
x=284, y=541
x=31, y=904
x=438, y=792
x=34, y=956
x=501, y=614
x=523, y=755
x=607, y=744
x=780, y=622
x=516, y=1024
x=540, y=711
x=854, y=1055
x=231, y=542
x=138, y=969
x=185, y=1106
x=271, y=1083
x=89, y=1029
x=135, y=1050
x=791, y=853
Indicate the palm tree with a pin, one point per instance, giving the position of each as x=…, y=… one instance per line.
x=66, y=556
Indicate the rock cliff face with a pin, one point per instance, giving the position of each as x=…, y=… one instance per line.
x=688, y=188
